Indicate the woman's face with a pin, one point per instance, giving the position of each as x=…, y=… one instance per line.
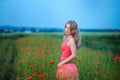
x=67, y=29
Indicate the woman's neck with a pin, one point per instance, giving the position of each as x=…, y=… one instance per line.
x=69, y=36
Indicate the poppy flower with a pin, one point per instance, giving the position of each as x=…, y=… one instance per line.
x=27, y=50
x=29, y=78
x=43, y=78
x=52, y=62
x=117, y=58
x=28, y=61
x=43, y=75
x=97, y=61
x=117, y=79
x=98, y=68
x=33, y=75
x=22, y=74
x=31, y=67
x=42, y=66
x=39, y=59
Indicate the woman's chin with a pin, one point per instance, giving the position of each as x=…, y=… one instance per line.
x=66, y=34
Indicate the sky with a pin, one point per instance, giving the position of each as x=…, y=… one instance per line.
x=89, y=14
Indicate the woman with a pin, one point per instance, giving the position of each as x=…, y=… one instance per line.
x=67, y=70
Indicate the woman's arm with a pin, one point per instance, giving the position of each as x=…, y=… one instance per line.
x=73, y=53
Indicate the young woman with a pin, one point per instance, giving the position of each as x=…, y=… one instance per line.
x=67, y=70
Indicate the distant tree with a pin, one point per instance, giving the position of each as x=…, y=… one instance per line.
x=33, y=29
x=1, y=30
x=8, y=31
x=15, y=30
x=23, y=29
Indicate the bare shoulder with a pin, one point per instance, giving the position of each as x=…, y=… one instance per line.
x=72, y=41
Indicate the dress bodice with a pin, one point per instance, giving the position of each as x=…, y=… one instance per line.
x=66, y=51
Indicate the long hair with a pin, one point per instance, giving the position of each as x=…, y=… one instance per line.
x=75, y=32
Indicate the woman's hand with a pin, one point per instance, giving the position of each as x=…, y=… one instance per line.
x=60, y=64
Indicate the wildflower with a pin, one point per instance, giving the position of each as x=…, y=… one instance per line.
x=52, y=62
x=116, y=78
x=31, y=67
x=42, y=76
x=22, y=74
x=33, y=75
x=96, y=61
x=39, y=59
x=29, y=78
x=27, y=50
x=98, y=67
x=117, y=58
x=42, y=66
x=32, y=49
x=28, y=61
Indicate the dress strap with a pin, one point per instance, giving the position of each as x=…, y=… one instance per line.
x=68, y=38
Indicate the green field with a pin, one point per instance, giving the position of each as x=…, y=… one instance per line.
x=35, y=56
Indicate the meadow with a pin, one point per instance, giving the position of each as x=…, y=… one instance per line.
x=35, y=56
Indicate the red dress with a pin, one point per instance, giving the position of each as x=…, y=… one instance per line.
x=68, y=70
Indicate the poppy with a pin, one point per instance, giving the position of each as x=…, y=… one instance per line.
x=117, y=58
x=31, y=67
x=52, y=62
x=22, y=74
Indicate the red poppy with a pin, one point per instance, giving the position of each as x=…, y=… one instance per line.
x=98, y=67
x=28, y=61
x=22, y=74
x=43, y=78
x=117, y=58
x=33, y=75
x=31, y=67
x=29, y=78
x=32, y=49
x=39, y=59
x=43, y=75
x=97, y=61
x=52, y=62
x=42, y=66
x=117, y=79
x=27, y=50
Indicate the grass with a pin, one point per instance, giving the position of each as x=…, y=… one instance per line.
x=36, y=56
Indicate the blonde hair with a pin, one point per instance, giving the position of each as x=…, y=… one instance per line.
x=75, y=32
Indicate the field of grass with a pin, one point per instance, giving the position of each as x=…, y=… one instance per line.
x=35, y=56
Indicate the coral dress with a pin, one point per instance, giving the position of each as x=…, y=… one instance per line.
x=69, y=70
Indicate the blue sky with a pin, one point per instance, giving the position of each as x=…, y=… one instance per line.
x=88, y=14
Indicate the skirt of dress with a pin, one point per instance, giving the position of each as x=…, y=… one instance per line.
x=68, y=71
